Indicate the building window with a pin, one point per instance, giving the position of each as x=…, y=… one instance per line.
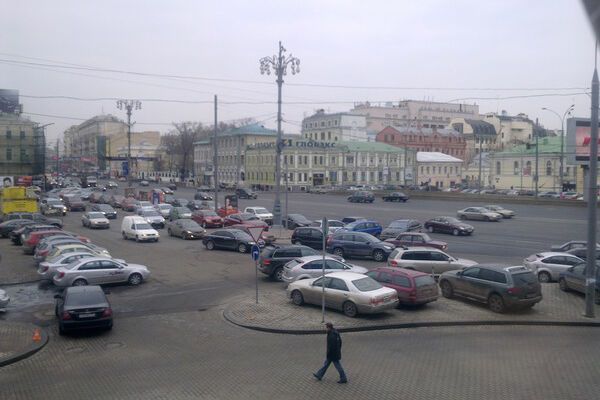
x=498, y=167
x=335, y=122
x=353, y=176
x=363, y=176
x=568, y=171
x=314, y=160
x=516, y=168
x=380, y=176
x=329, y=135
x=23, y=155
x=22, y=135
x=427, y=170
x=422, y=168
x=333, y=161
x=549, y=168
x=322, y=135
x=445, y=170
x=320, y=160
x=8, y=153
x=8, y=134
x=305, y=160
x=285, y=160
x=328, y=123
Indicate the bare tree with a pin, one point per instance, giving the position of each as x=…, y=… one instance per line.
x=187, y=133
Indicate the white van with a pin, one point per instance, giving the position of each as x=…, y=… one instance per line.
x=135, y=227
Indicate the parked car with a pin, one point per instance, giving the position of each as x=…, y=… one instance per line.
x=395, y=196
x=349, y=292
x=105, y=209
x=266, y=238
x=416, y=239
x=74, y=203
x=180, y=202
x=112, y=185
x=574, y=278
x=47, y=244
x=19, y=233
x=413, y=287
x=448, y=225
x=308, y=236
x=47, y=268
x=166, y=190
x=36, y=217
x=172, y=186
x=348, y=220
x=371, y=227
x=144, y=183
x=549, y=195
x=229, y=239
x=52, y=207
x=33, y=238
x=179, y=213
x=95, y=219
x=200, y=195
x=500, y=210
x=164, y=209
x=426, y=259
x=104, y=198
x=154, y=218
x=4, y=299
x=273, y=258
x=7, y=227
x=95, y=197
x=140, y=204
x=333, y=225
x=128, y=204
x=243, y=193
x=361, y=197
x=294, y=221
x=207, y=219
x=82, y=308
x=400, y=225
x=548, y=265
x=195, y=205
x=247, y=219
x=77, y=248
x=581, y=252
x=358, y=244
x=573, y=244
x=478, y=213
x=100, y=271
x=185, y=229
x=136, y=227
x=312, y=267
x=260, y=212
x=501, y=287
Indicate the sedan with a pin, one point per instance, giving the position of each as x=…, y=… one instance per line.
x=98, y=271
x=448, y=225
x=202, y=196
x=347, y=291
x=399, y=226
x=478, y=213
x=501, y=210
x=207, y=218
x=112, y=185
x=47, y=269
x=185, y=229
x=166, y=190
x=294, y=221
x=548, y=265
x=229, y=239
x=94, y=219
x=333, y=225
x=417, y=239
x=105, y=209
x=7, y=227
x=573, y=244
x=144, y=183
x=396, y=196
x=312, y=267
x=164, y=209
x=247, y=219
x=82, y=308
x=574, y=278
x=4, y=299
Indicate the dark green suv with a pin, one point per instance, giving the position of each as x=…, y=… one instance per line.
x=273, y=258
x=501, y=287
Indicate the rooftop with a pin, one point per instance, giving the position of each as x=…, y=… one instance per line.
x=434, y=156
x=549, y=144
x=370, y=146
x=251, y=129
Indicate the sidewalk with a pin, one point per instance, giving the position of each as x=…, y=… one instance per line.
x=14, y=267
x=17, y=341
x=276, y=313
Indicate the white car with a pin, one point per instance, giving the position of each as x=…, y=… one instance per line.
x=164, y=209
x=95, y=219
x=4, y=299
x=135, y=227
x=98, y=271
x=260, y=212
x=333, y=225
x=548, y=265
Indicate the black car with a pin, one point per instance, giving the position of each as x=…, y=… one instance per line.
x=396, y=196
x=35, y=217
x=105, y=209
x=361, y=197
x=172, y=186
x=501, y=287
x=15, y=235
x=349, y=220
x=196, y=205
x=202, y=196
x=273, y=258
x=294, y=221
x=580, y=252
x=7, y=227
x=82, y=307
x=358, y=244
x=400, y=225
x=308, y=236
x=574, y=278
x=229, y=239
x=243, y=193
x=449, y=225
x=180, y=203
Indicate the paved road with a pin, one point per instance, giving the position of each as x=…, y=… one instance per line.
x=197, y=355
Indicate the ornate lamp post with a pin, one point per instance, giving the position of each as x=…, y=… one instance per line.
x=562, y=140
x=129, y=105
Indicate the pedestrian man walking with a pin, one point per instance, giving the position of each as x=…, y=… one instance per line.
x=334, y=354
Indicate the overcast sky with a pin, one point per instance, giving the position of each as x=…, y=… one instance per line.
x=398, y=49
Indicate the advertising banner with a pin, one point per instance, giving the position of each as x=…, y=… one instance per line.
x=6, y=181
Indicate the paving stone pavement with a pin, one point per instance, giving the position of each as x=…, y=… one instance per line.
x=275, y=312
x=197, y=355
x=14, y=266
x=16, y=341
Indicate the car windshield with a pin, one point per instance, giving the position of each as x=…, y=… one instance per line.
x=183, y=210
x=142, y=226
x=94, y=215
x=150, y=214
x=335, y=224
x=87, y=298
x=189, y=224
x=398, y=224
x=209, y=214
x=261, y=211
x=366, y=284
x=451, y=220
x=55, y=202
x=242, y=236
x=247, y=217
x=424, y=280
x=524, y=278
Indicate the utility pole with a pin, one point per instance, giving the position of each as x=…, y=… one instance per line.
x=480, y=152
x=590, y=271
x=57, y=158
x=562, y=142
x=216, y=161
x=279, y=64
x=537, y=159
x=239, y=162
x=286, y=190
x=129, y=105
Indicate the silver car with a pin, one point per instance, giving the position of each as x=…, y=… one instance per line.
x=164, y=209
x=4, y=299
x=426, y=259
x=47, y=269
x=99, y=270
x=501, y=210
x=95, y=219
x=312, y=267
x=548, y=265
x=347, y=291
x=153, y=217
x=333, y=225
x=77, y=248
x=478, y=213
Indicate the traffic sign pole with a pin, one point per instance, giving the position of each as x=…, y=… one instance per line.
x=255, y=255
x=325, y=229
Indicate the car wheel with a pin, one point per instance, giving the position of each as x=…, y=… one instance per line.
x=447, y=289
x=124, y=235
x=135, y=279
x=80, y=282
x=487, y=219
x=430, y=229
x=242, y=248
x=378, y=255
x=350, y=309
x=204, y=225
x=61, y=330
x=338, y=251
x=544, y=277
x=169, y=232
x=297, y=298
x=278, y=274
x=455, y=232
x=562, y=284
x=137, y=238
x=597, y=297
x=210, y=245
x=496, y=303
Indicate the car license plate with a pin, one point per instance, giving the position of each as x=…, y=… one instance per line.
x=87, y=315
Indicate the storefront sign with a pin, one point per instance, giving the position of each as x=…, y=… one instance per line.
x=294, y=143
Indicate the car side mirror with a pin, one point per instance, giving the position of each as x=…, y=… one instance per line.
x=571, y=269
x=58, y=296
x=459, y=273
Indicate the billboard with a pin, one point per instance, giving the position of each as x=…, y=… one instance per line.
x=6, y=181
x=9, y=101
x=578, y=141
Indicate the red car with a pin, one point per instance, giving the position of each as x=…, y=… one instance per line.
x=413, y=287
x=246, y=219
x=416, y=239
x=32, y=240
x=266, y=238
x=223, y=212
x=128, y=204
x=207, y=219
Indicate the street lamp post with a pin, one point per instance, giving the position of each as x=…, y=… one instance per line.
x=129, y=105
x=562, y=141
x=279, y=64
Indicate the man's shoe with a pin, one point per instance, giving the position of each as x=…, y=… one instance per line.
x=343, y=381
x=317, y=376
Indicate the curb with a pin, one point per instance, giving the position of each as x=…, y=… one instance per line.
x=21, y=283
x=409, y=325
x=27, y=352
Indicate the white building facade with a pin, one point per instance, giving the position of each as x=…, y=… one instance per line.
x=336, y=127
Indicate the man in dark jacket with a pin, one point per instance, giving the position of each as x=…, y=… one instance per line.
x=334, y=354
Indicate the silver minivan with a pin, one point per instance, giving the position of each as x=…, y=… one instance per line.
x=426, y=259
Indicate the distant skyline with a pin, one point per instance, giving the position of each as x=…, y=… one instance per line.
x=539, y=53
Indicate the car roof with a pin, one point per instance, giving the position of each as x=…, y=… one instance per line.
x=347, y=275
x=306, y=259
x=418, y=248
x=403, y=271
x=502, y=267
x=553, y=253
x=71, y=245
x=85, y=289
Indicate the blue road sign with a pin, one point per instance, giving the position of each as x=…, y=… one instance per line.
x=255, y=252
